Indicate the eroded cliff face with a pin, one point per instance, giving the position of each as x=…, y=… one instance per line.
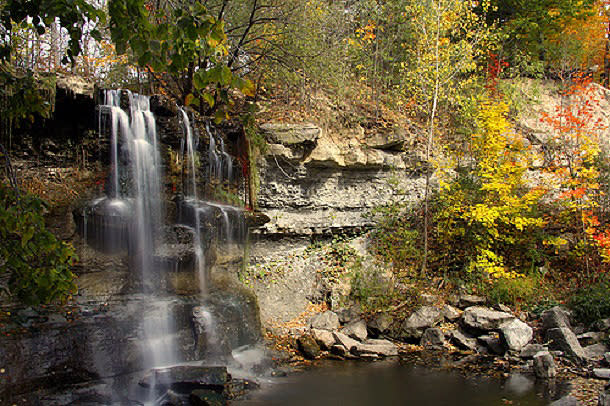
x=316, y=184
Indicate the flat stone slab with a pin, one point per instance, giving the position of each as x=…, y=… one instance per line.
x=484, y=319
x=382, y=348
x=186, y=376
x=601, y=373
x=423, y=318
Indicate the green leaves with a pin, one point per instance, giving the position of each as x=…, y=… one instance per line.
x=36, y=263
x=72, y=15
x=188, y=43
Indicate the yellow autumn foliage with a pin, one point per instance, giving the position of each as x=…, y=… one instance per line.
x=491, y=208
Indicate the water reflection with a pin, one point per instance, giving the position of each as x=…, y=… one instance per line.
x=390, y=383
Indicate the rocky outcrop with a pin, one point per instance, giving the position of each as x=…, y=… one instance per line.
x=314, y=182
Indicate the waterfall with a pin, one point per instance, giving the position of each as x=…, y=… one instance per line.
x=192, y=199
x=132, y=215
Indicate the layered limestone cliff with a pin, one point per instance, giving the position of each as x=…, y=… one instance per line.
x=316, y=184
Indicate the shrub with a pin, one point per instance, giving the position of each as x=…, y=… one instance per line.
x=33, y=263
x=525, y=291
x=591, y=303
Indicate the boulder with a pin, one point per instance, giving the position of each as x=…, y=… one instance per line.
x=345, y=341
x=350, y=314
x=607, y=358
x=544, y=365
x=324, y=338
x=463, y=341
x=450, y=313
x=596, y=351
x=415, y=325
x=563, y=339
x=483, y=319
x=516, y=334
x=325, y=321
x=471, y=300
x=557, y=317
x=591, y=337
x=493, y=342
x=308, y=346
x=383, y=348
x=356, y=330
x=531, y=349
x=601, y=373
x=433, y=338
x=379, y=324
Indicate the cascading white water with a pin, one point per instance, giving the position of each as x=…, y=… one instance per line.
x=228, y=161
x=192, y=199
x=215, y=163
x=142, y=204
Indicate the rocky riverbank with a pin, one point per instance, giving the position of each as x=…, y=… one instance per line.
x=470, y=336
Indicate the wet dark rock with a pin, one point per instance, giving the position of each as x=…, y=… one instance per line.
x=516, y=334
x=433, y=338
x=563, y=339
x=163, y=106
x=482, y=319
x=544, y=365
x=203, y=397
x=424, y=317
x=493, y=342
x=379, y=324
x=356, y=330
x=557, y=317
x=308, y=346
x=256, y=219
x=185, y=378
x=465, y=301
x=325, y=321
x=239, y=387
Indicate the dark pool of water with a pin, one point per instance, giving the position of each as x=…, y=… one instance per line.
x=392, y=383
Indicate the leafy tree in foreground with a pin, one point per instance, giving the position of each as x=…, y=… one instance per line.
x=34, y=265
x=187, y=43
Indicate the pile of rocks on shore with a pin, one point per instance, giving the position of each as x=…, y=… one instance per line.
x=537, y=344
